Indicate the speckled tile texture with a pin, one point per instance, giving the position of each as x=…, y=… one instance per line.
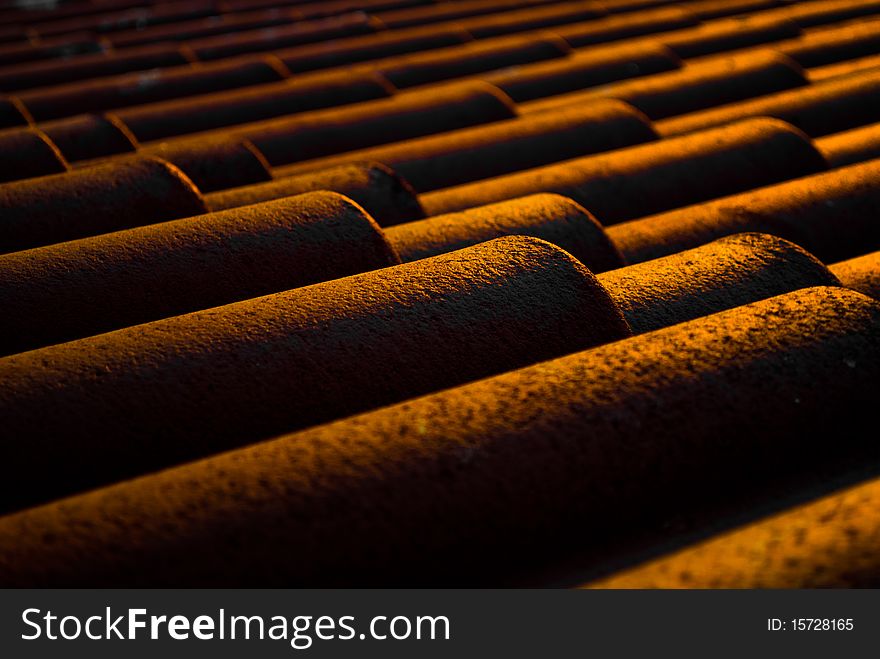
x=173, y=389
x=389, y=198
x=463, y=478
x=94, y=200
x=831, y=543
x=70, y=290
x=646, y=179
x=438, y=293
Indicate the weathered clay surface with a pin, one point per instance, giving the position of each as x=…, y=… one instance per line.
x=812, y=14
x=440, y=14
x=844, y=68
x=656, y=22
x=470, y=59
x=489, y=473
x=93, y=200
x=46, y=49
x=214, y=163
x=407, y=115
x=724, y=274
x=224, y=23
x=851, y=146
x=531, y=18
x=589, y=68
x=182, y=280
x=740, y=31
x=823, y=47
x=830, y=214
x=71, y=290
x=89, y=136
x=830, y=543
x=553, y=218
x=189, y=115
x=825, y=107
x=293, y=34
x=176, y=389
x=861, y=274
x=146, y=87
x=469, y=154
x=351, y=50
x=700, y=85
x=379, y=190
x=650, y=178
x=28, y=152
x=84, y=67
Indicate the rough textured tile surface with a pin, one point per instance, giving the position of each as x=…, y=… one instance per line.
x=381, y=192
x=647, y=179
x=487, y=473
x=155, y=394
x=831, y=543
x=93, y=200
x=71, y=290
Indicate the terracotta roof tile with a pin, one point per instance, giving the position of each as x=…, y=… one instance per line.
x=470, y=154
x=579, y=268
x=644, y=179
x=482, y=478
